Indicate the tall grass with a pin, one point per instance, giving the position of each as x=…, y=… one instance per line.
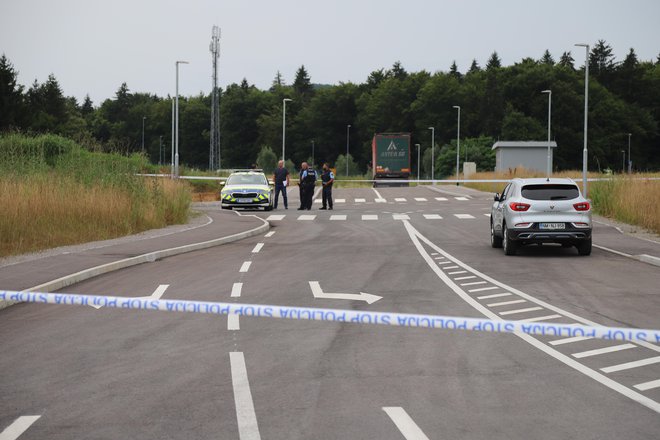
x=53, y=192
x=636, y=202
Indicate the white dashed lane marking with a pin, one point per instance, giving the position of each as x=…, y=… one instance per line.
x=464, y=216
x=400, y=217
x=421, y=199
x=369, y=217
x=257, y=248
x=405, y=423
x=236, y=290
x=233, y=322
x=17, y=428
x=275, y=217
x=360, y=200
x=399, y=199
x=338, y=217
x=246, y=266
x=269, y=234
x=432, y=217
x=306, y=217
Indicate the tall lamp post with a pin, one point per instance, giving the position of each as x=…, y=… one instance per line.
x=348, y=137
x=284, y=101
x=458, y=141
x=623, y=164
x=586, y=110
x=629, y=158
x=549, y=166
x=417, y=145
x=176, y=121
x=143, y=119
x=172, y=144
x=432, y=154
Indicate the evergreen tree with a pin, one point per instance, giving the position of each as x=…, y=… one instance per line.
x=302, y=85
x=244, y=85
x=11, y=95
x=494, y=62
x=87, y=106
x=453, y=70
x=601, y=60
x=398, y=71
x=547, y=58
x=277, y=82
x=474, y=67
x=631, y=61
x=567, y=60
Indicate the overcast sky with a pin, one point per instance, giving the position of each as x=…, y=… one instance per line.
x=93, y=46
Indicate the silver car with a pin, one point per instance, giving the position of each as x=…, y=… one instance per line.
x=536, y=211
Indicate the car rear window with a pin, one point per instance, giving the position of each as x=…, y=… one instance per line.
x=550, y=192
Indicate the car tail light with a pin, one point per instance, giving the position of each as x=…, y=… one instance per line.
x=523, y=225
x=582, y=206
x=580, y=225
x=519, y=206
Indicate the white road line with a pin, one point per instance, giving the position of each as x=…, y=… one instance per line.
x=400, y=217
x=457, y=272
x=515, y=312
x=275, y=217
x=569, y=340
x=381, y=201
x=445, y=262
x=487, y=215
x=462, y=199
x=257, y=248
x=435, y=253
x=246, y=266
x=158, y=293
x=232, y=322
x=17, y=428
x=270, y=234
x=400, y=199
x=337, y=217
x=495, y=295
x=541, y=318
x=379, y=198
x=470, y=277
x=463, y=216
x=629, y=365
x=648, y=385
x=449, y=267
x=405, y=423
x=245, y=415
x=441, y=199
x=421, y=199
x=506, y=303
x=599, y=351
x=360, y=200
x=340, y=200
x=473, y=283
x=306, y=217
x=236, y=290
x=369, y=217
x=483, y=289
x=432, y=216
x=318, y=200
x=438, y=258
x=417, y=239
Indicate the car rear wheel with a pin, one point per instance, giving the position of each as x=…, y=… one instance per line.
x=495, y=241
x=510, y=246
x=584, y=247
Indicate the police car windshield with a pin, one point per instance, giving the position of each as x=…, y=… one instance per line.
x=247, y=179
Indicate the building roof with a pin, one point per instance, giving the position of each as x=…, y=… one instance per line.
x=524, y=144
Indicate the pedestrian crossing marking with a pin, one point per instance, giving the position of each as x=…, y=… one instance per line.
x=344, y=217
x=441, y=199
x=463, y=216
x=381, y=200
x=400, y=217
x=306, y=217
x=318, y=200
x=421, y=199
x=276, y=217
x=340, y=201
x=399, y=199
x=369, y=217
x=360, y=200
x=462, y=199
x=432, y=217
x=337, y=217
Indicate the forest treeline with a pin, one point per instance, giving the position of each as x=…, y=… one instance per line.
x=497, y=102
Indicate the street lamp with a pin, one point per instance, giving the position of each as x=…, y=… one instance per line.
x=176, y=121
x=417, y=145
x=143, y=119
x=432, y=154
x=284, y=101
x=586, y=109
x=348, y=137
x=629, y=159
x=172, y=144
x=458, y=142
x=549, y=167
x=623, y=164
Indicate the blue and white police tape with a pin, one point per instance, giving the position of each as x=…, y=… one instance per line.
x=337, y=315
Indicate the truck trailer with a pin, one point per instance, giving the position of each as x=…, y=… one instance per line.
x=390, y=157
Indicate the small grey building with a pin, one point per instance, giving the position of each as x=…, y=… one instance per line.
x=532, y=155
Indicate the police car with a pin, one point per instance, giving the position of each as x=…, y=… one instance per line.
x=247, y=189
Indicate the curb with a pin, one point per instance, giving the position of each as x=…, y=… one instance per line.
x=92, y=272
x=644, y=258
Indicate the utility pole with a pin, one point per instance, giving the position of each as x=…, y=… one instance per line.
x=214, y=148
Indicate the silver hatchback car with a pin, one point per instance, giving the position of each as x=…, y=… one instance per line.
x=536, y=211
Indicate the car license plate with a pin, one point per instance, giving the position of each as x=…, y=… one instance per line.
x=552, y=226
x=244, y=200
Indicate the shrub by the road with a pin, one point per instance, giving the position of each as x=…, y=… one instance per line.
x=54, y=192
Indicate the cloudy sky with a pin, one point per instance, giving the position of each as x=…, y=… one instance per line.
x=93, y=46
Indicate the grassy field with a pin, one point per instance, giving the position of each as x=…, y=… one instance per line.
x=53, y=192
x=636, y=202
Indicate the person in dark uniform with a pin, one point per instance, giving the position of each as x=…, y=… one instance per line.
x=327, y=179
x=303, y=167
x=308, y=180
x=281, y=178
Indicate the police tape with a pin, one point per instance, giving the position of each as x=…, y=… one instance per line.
x=338, y=315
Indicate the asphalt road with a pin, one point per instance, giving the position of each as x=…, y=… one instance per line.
x=113, y=374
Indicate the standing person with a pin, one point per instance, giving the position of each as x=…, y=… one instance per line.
x=308, y=181
x=281, y=178
x=327, y=179
x=303, y=168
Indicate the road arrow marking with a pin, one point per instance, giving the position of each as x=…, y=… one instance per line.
x=156, y=295
x=320, y=294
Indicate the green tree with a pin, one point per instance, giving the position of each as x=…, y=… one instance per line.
x=518, y=127
x=494, y=62
x=267, y=160
x=11, y=96
x=567, y=60
x=302, y=84
x=547, y=58
x=340, y=165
